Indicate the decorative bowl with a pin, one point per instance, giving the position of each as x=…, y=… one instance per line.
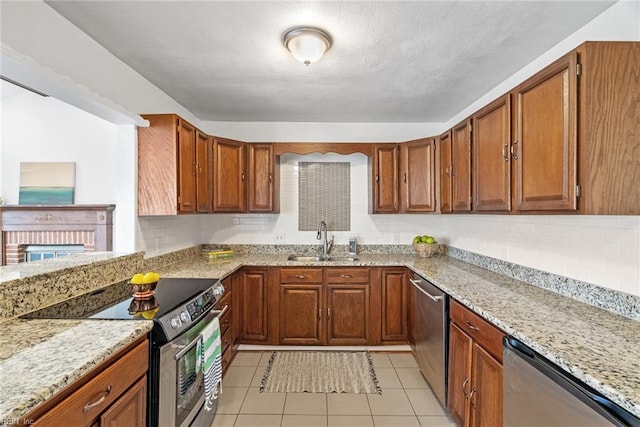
x=426, y=250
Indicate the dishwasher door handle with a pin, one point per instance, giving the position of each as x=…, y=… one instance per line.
x=433, y=298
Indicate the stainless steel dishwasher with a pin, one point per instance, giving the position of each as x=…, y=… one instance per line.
x=430, y=333
x=539, y=393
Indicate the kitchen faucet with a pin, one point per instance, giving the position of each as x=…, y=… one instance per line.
x=322, y=235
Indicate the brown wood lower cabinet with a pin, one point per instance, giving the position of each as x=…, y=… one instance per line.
x=395, y=306
x=327, y=306
x=253, y=297
x=475, y=369
x=114, y=396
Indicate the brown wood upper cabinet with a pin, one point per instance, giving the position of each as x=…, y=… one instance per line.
x=492, y=157
x=418, y=176
x=444, y=147
x=575, y=139
x=263, y=175
x=404, y=177
x=173, y=167
x=461, y=167
x=385, y=178
x=246, y=177
x=229, y=176
x=544, y=146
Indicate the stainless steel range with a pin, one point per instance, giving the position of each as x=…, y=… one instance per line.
x=185, y=307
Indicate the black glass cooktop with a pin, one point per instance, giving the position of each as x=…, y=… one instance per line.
x=116, y=301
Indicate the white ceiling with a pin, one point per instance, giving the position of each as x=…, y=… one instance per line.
x=391, y=61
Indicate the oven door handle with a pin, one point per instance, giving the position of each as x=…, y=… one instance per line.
x=184, y=349
x=221, y=312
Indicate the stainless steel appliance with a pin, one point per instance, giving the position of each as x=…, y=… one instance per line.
x=539, y=393
x=430, y=332
x=175, y=382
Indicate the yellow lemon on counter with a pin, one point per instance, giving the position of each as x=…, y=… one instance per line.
x=137, y=279
x=150, y=277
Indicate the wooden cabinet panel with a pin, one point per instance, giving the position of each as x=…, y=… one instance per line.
x=263, y=178
x=385, y=178
x=204, y=177
x=486, y=398
x=461, y=167
x=253, y=305
x=491, y=156
x=301, y=275
x=545, y=139
x=418, y=176
x=229, y=192
x=186, y=167
x=347, y=275
x=475, y=326
x=130, y=409
x=459, y=383
x=394, y=305
x=347, y=314
x=444, y=147
x=301, y=314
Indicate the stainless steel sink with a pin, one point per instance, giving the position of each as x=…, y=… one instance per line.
x=307, y=258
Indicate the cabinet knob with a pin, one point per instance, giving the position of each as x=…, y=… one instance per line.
x=346, y=276
x=300, y=276
x=405, y=178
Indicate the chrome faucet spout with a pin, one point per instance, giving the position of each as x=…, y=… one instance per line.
x=322, y=235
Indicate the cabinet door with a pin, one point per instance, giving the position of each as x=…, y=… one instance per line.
x=186, y=167
x=301, y=320
x=347, y=314
x=486, y=395
x=253, y=307
x=204, y=155
x=262, y=176
x=459, y=383
x=445, y=172
x=491, y=156
x=461, y=167
x=544, y=150
x=418, y=176
x=394, y=305
x=128, y=410
x=385, y=178
x=229, y=193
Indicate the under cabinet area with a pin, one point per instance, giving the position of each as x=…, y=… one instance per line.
x=114, y=394
x=475, y=369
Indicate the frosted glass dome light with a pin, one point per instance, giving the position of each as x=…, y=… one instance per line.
x=307, y=44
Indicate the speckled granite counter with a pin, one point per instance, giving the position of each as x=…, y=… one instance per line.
x=38, y=358
x=597, y=346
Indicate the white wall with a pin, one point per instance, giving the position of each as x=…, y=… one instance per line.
x=38, y=129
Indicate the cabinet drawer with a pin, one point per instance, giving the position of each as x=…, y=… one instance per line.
x=225, y=321
x=347, y=275
x=226, y=300
x=227, y=339
x=301, y=275
x=482, y=332
x=89, y=401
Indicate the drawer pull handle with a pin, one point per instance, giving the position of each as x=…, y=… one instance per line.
x=300, y=276
x=505, y=154
x=105, y=393
x=329, y=313
x=346, y=276
x=319, y=314
x=473, y=403
x=464, y=388
x=470, y=325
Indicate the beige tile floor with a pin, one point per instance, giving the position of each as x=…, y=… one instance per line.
x=406, y=399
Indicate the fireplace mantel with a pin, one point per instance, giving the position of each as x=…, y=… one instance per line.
x=90, y=225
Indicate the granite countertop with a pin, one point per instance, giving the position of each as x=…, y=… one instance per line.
x=39, y=358
x=597, y=346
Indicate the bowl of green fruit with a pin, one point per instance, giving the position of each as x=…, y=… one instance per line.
x=425, y=246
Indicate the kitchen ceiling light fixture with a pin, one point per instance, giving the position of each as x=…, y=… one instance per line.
x=307, y=44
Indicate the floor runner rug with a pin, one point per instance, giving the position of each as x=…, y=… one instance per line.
x=320, y=372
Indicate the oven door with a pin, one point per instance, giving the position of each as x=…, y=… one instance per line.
x=181, y=385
